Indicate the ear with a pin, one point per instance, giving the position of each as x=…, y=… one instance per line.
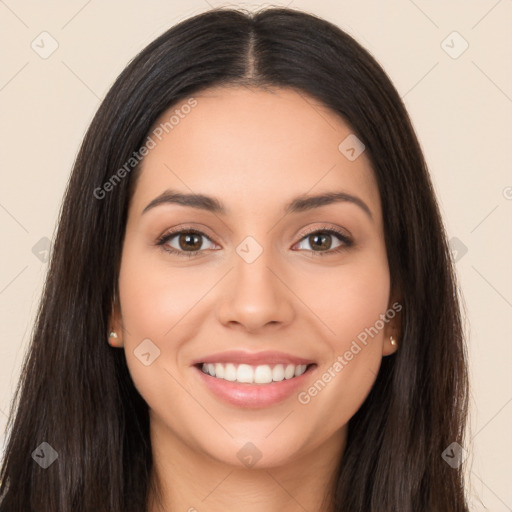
x=393, y=327
x=115, y=326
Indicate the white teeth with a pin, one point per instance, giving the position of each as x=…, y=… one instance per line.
x=278, y=373
x=245, y=373
x=299, y=370
x=261, y=374
x=229, y=372
x=289, y=372
x=219, y=371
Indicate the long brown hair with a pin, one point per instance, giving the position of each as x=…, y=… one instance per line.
x=76, y=394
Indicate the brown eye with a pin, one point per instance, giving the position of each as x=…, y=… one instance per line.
x=184, y=243
x=321, y=242
x=190, y=241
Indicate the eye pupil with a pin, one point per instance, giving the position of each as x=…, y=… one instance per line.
x=185, y=241
x=324, y=238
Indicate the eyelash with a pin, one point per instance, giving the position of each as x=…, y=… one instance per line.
x=347, y=242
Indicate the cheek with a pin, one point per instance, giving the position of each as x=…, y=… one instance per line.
x=349, y=298
x=351, y=305
x=153, y=300
x=153, y=296
x=161, y=304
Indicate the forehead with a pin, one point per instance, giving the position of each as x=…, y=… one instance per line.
x=253, y=148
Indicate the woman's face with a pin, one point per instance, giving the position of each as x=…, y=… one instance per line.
x=262, y=280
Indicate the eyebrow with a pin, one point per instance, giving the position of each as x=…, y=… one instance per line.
x=298, y=204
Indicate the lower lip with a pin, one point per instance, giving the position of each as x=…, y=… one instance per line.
x=254, y=395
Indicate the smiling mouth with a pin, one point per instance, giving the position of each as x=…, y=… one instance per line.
x=254, y=374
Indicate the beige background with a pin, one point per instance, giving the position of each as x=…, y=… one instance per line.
x=461, y=109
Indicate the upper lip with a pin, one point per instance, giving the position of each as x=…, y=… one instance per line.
x=252, y=358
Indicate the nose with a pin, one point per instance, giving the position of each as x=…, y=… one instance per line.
x=255, y=296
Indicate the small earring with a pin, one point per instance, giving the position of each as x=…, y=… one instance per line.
x=392, y=340
x=112, y=335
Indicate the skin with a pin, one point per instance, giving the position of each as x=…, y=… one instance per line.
x=254, y=150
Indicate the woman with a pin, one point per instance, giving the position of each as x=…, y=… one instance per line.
x=192, y=351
